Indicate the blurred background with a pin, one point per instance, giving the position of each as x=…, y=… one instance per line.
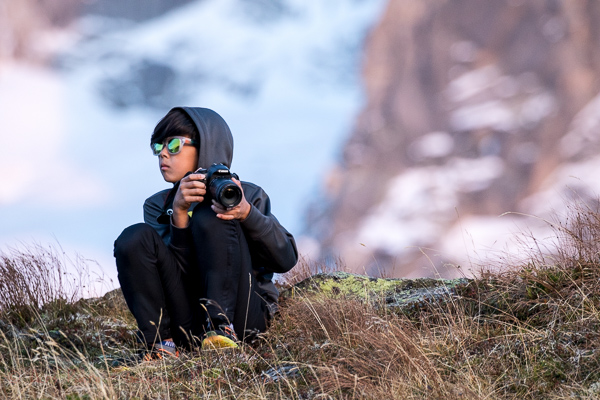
x=396, y=137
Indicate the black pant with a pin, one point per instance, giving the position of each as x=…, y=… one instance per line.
x=177, y=299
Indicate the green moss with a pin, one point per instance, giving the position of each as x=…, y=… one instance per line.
x=398, y=295
x=358, y=286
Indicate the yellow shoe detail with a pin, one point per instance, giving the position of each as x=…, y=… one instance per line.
x=218, y=342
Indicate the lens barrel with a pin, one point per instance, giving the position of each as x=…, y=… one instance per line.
x=226, y=192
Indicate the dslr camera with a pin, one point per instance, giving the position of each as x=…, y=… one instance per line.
x=217, y=179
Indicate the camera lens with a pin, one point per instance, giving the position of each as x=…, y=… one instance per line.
x=228, y=194
x=231, y=196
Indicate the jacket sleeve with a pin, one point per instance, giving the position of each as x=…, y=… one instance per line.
x=152, y=209
x=178, y=240
x=272, y=246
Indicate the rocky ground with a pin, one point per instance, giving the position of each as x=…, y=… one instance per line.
x=529, y=331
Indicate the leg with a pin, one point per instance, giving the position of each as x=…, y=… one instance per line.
x=251, y=312
x=153, y=285
x=225, y=271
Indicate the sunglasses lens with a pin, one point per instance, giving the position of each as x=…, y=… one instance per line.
x=174, y=146
x=157, y=148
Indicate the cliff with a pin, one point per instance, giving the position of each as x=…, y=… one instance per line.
x=474, y=109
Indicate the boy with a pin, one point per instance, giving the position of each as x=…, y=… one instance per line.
x=195, y=269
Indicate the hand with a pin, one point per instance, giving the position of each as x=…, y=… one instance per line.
x=191, y=190
x=240, y=211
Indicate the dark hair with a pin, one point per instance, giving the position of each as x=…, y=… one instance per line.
x=176, y=123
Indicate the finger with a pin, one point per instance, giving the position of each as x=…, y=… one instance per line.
x=184, y=180
x=193, y=197
x=237, y=182
x=201, y=191
x=193, y=192
x=226, y=214
x=229, y=211
x=219, y=210
x=218, y=207
x=196, y=177
x=187, y=192
x=192, y=183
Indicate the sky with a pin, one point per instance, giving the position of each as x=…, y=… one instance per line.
x=77, y=167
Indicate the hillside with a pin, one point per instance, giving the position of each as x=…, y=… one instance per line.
x=531, y=331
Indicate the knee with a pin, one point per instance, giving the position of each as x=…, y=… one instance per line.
x=133, y=238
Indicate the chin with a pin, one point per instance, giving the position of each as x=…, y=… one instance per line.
x=167, y=178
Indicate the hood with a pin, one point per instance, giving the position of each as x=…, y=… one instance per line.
x=216, y=141
x=216, y=146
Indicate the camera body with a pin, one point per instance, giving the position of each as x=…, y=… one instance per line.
x=219, y=185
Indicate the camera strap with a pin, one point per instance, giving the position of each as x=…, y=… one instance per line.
x=165, y=217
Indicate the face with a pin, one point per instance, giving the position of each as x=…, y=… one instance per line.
x=173, y=167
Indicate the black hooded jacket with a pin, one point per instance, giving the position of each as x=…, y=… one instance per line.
x=272, y=248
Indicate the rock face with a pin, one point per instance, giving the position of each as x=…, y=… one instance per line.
x=474, y=109
x=397, y=294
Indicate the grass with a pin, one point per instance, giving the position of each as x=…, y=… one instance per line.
x=524, y=331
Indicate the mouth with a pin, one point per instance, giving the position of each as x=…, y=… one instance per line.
x=164, y=167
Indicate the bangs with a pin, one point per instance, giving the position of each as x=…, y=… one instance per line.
x=176, y=123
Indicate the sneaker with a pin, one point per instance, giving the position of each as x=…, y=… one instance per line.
x=161, y=350
x=223, y=338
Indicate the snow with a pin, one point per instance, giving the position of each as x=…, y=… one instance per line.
x=493, y=113
x=421, y=201
x=500, y=241
x=473, y=82
x=584, y=129
x=484, y=98
x=502, y=115
x=570, y=181
x=535, y=108
x=432, y=145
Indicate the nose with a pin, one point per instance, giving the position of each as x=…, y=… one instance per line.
x=163, y=153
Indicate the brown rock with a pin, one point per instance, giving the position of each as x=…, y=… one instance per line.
x=471, y=108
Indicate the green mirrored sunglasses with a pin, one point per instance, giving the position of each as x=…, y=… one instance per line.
x=174, y=144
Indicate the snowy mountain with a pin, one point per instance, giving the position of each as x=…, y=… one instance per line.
x=284, y=74
x=482, y=121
